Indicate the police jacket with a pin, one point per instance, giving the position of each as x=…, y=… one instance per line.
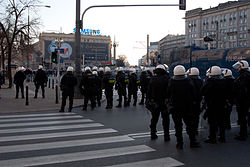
x=197, y=82
x=19, y=78
x=157, y=89
x=121, y=82
x=229, y=81
x=215, y=94
x=242, y=87
x=68, y=82
x=144, y=81
x=181, y=94
x=132, y=83
x=40, y=77
x=108, y=81
x=89, y=84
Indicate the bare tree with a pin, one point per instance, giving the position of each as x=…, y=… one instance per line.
x=13, y=24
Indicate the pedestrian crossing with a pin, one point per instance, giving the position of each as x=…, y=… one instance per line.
x=68, y=139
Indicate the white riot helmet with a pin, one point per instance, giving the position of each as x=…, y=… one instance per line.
x=101, y=69
x=132, y=70
x=40, y=67
x=83, y=69
x=193, y=71
x=87, y=68
x=215, y=70
x=160, y=66
x=242, y=63
x=23, y=68
x=95, y=73
x=70, y=69
x=166, y=67
x=120, y=69
x=94, y=68
x=179, y=70
x=107, y=69
x=19, y=69
x=227, y=72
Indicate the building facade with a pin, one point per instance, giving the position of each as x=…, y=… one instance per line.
x=95, y=49
x=227, y=24
x=168, y=44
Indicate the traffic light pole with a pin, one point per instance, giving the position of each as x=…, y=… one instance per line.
x=58, y=75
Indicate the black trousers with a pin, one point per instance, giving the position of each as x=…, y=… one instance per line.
x=92, y=100
x=65, y=95
x=165, y=121
x=143, y=96
x=242, y=110
x=37, y=88
x=216, y=121
x=17, y=90
x=109, y=97
x=134, y=94
x=178, y=117
x=197, y=111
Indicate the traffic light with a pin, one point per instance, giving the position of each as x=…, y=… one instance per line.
x=54, y=57
x=182, y=4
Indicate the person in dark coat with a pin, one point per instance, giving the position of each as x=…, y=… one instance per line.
x=144, y=81
x=181, y=94
x=19, y=78
x=120, y=86
x=229, y=81
x=88, y=87
x=132, y=86
x=100, y=85
x=98, y=88
x=193, y=74
x=40, y=80
x=156, y=102
x=214, y=92
x=108, y=84
x=242, y=97
x=67, y=84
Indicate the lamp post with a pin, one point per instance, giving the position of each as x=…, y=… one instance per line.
x=28, y=50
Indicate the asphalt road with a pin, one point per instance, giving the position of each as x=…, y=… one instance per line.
x=100, y=137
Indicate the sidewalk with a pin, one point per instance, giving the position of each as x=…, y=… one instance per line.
x=8, y=103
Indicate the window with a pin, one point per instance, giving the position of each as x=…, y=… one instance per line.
x=231, y=23
x=241, y=36
x=235, y=37
x=245, y=36
x=241, y=28
x=241, y=21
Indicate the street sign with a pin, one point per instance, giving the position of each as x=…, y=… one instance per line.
x=61, y=51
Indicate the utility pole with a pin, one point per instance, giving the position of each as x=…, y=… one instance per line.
x=77, y=48
x=148, y=50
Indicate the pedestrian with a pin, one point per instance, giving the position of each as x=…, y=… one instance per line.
x=156, y=102
x=40, y=80
x=242, y=97
x=229, y=81
x=98, y=88
x=88, y=87
x=120, y=86
x=181, y=94
x=67, y=84
x=144, y=81
x=193, y=74
x=108, y=84
x=19, y=78
x=214, y=92
x=132, y=86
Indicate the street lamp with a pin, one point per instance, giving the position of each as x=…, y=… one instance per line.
x=28, y=50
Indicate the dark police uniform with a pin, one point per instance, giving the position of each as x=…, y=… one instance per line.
x=144, y=81
x=157, y=96
x=132, y=88
x=18, y=80
x=40, y=80
x=120, y=86
x=67, y=84
x=108, y=84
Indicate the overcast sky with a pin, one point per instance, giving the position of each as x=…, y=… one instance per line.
x=130, y=26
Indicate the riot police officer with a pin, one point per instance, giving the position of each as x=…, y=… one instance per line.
x=67, y=84
x=132, y=86
x=88, y=86
x=120, y=86
x=19, y=78
x=242, y=96
x=100, y=87
x=98, y=92
x=181, y=94
x=40, y=80
x=156, y=102
x=144, y=81
x=215, y=95
x=193, y=74
x=229, y=81
x=108, y=84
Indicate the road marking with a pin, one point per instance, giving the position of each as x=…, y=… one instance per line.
x=34, y=115
x=54, y=135
x=164, y=162
x=40, y=119
x=80, y=156
x=61, y=127
x=64, y=144
x=7, y=125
